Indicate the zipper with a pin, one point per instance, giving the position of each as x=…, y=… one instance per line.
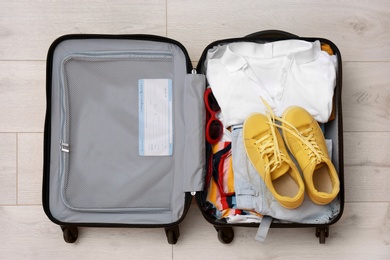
x=140, y=37
x=122, y=54
x=64, y=147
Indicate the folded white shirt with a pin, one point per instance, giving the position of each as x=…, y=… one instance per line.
x=283, y=73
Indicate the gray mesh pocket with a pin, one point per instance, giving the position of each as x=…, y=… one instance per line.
x=103, y=171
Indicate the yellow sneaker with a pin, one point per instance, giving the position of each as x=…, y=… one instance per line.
x=265, y=149
x=306, y=142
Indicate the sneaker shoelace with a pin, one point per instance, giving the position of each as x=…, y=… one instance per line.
x=268, y=145
x=315, y=153
x=307, y=137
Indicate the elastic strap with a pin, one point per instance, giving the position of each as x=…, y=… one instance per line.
x=263, y=228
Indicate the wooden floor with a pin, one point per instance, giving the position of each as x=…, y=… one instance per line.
x=361, y=29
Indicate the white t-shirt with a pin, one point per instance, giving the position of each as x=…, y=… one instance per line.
x=283, y=73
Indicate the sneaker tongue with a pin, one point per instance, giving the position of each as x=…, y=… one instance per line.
x=320, y=165
x=280, y=171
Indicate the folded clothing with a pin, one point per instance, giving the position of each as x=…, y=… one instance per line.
x=252, y=193
x=220, y=196
x=283, y=73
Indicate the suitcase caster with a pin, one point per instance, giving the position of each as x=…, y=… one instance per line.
x=225, y=234
x=322, y=234
x=172, y=235
x=70, y=234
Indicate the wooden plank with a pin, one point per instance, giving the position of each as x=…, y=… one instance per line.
x=367, y=167
x=366, y=96
x=367, y=183
x=30, y=158
x=29, y=27
x=361, y=233
x=22, y=99
x=8, y=146
x=366, y=149
x=359, y=28
x=26, y=233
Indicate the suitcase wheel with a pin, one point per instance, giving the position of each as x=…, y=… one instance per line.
x=70, y=234
x=322, y=234
x=172, y=234
x=225, y=234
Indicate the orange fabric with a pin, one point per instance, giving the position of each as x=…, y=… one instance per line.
x=327, y=48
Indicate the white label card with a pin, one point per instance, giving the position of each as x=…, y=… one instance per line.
x=155, y=117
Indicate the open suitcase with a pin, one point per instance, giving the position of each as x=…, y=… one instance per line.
x=124, y=138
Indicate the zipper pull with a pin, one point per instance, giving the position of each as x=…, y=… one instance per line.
x=193, y=71
x=64, y=147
